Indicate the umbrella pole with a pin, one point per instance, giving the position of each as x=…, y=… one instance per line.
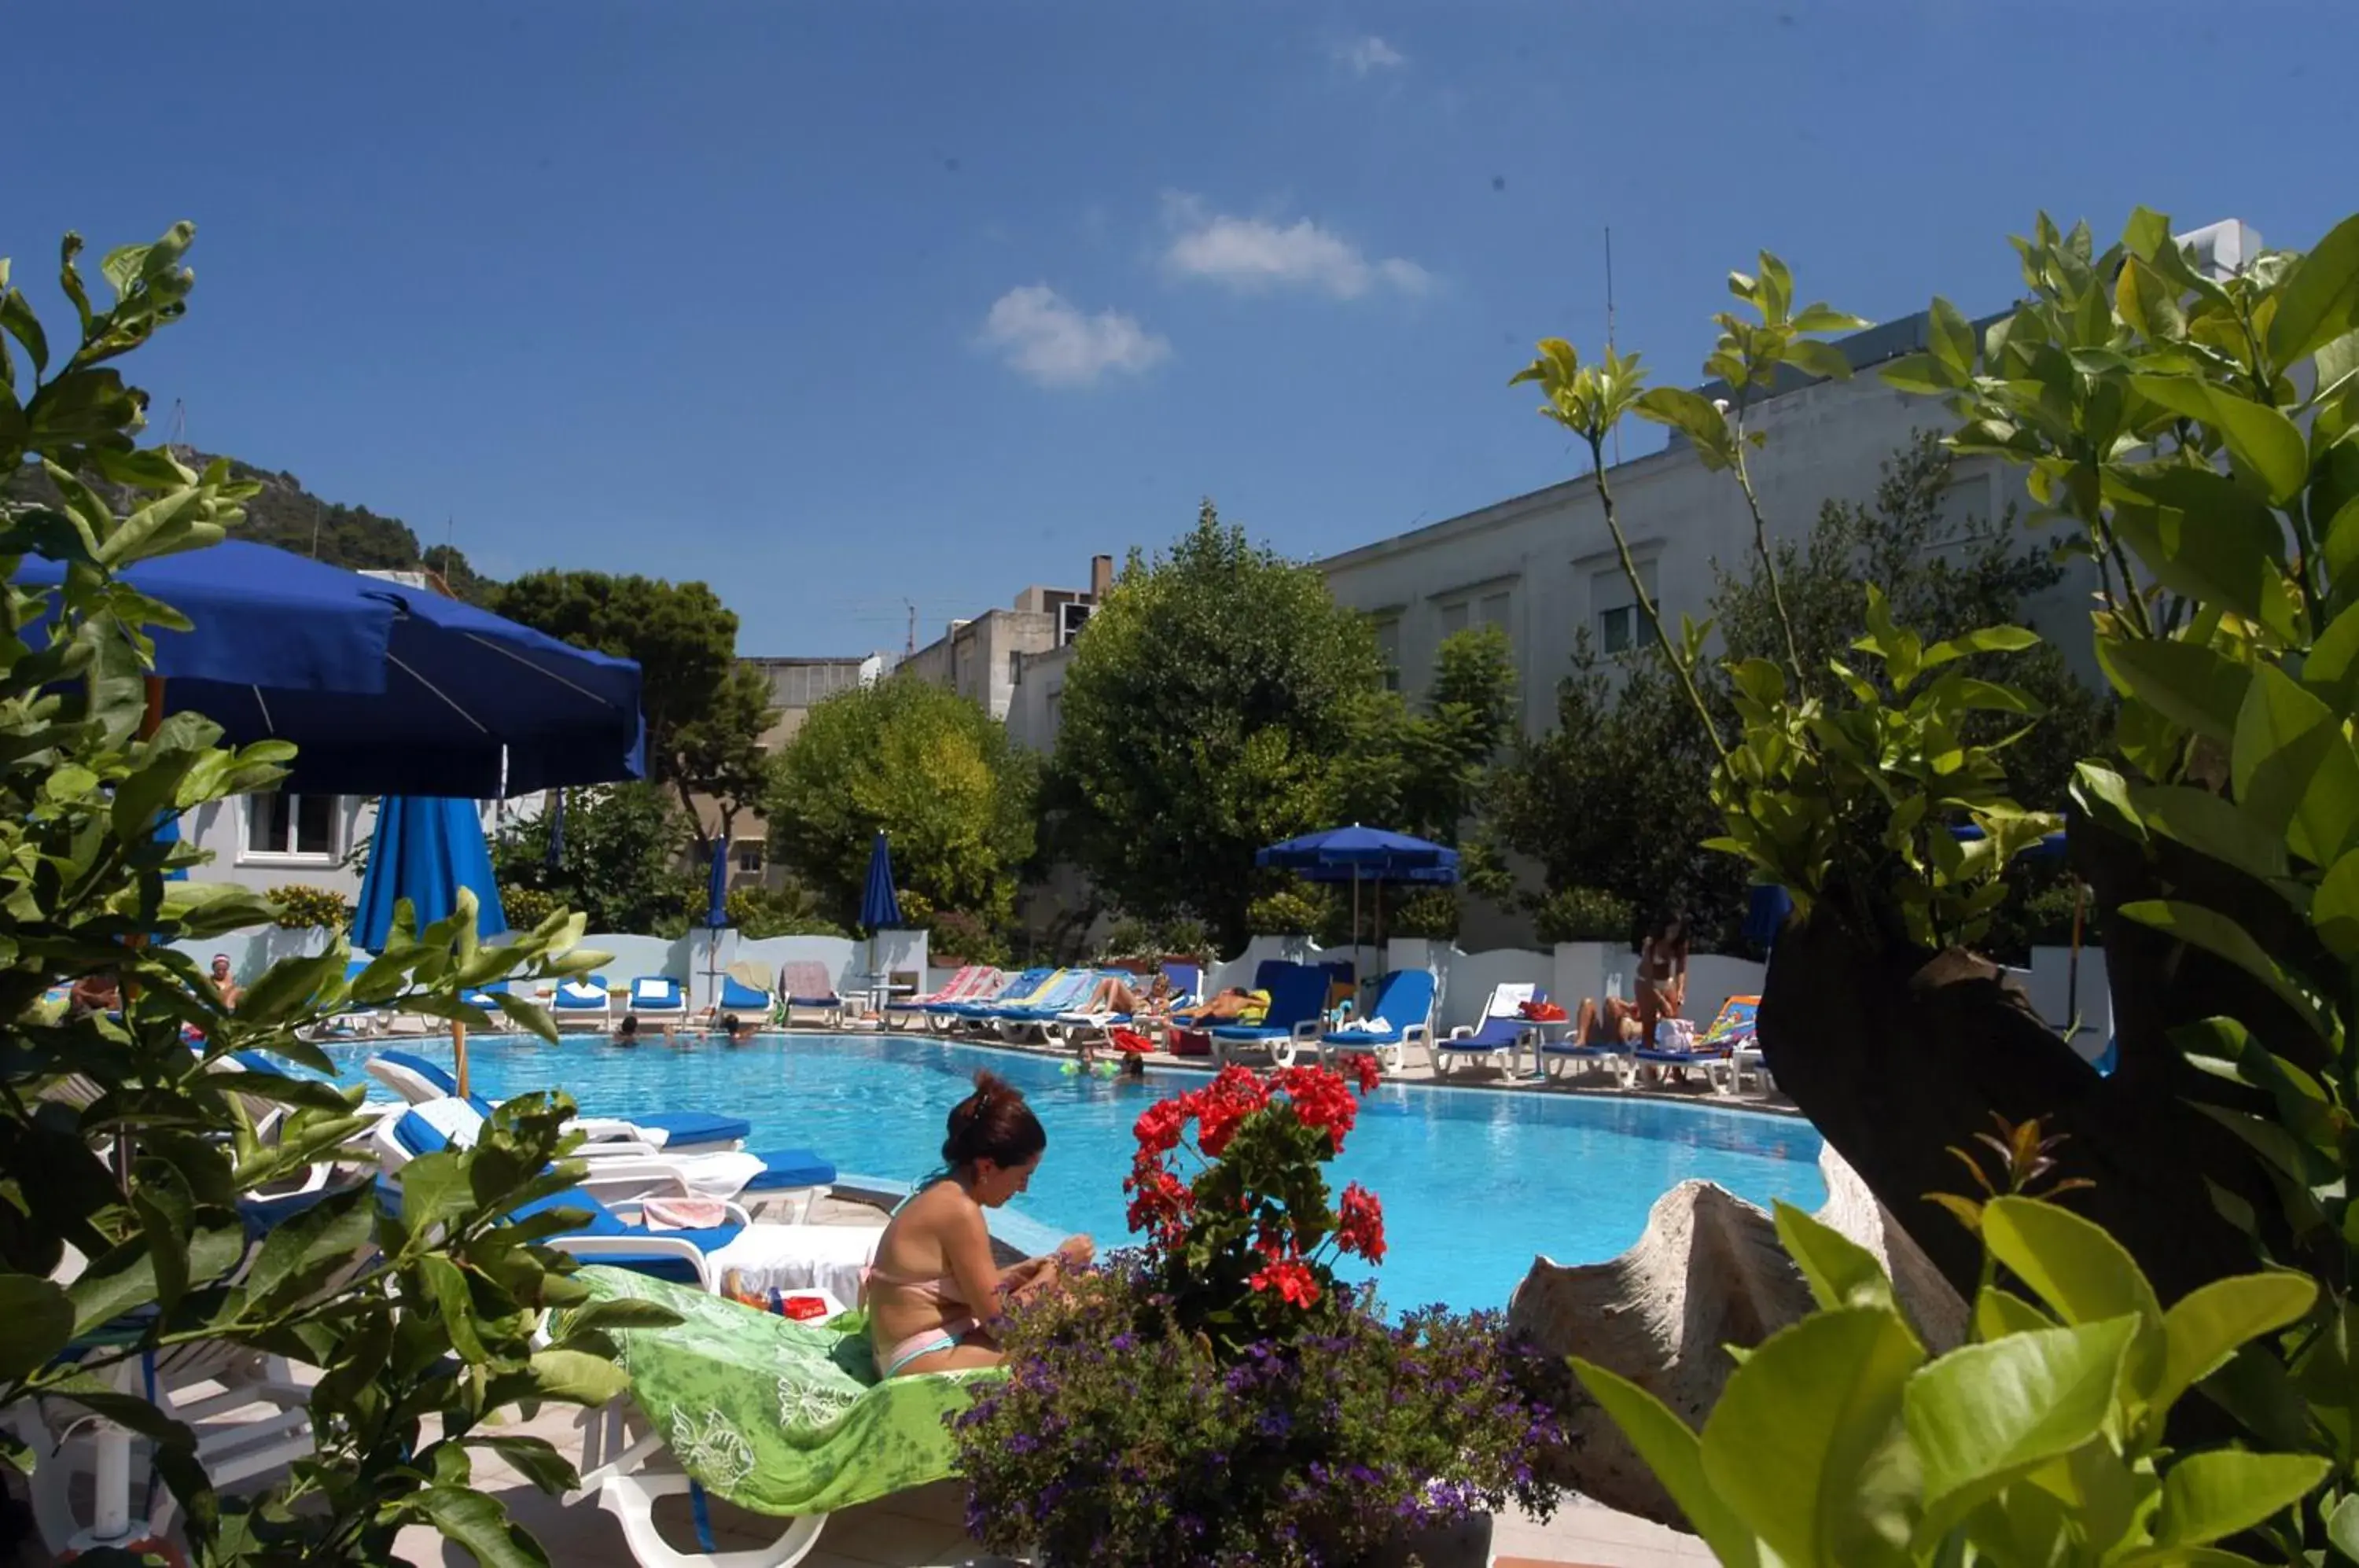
x=1359, y=972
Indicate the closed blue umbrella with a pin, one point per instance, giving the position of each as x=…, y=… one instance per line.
x=425, y=849
x=1765, y=913
x=385, y=689
x=716, y=887
x=879, y=908
x=556, y=856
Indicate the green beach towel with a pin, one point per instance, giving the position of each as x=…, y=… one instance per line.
x=777, y=1416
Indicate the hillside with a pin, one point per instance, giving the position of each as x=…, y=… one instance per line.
x=291, y=517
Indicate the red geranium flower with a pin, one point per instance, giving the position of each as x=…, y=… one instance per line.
x=1291, y=1280
x=1362, y=1229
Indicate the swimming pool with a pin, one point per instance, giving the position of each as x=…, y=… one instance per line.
x=1473, y=1182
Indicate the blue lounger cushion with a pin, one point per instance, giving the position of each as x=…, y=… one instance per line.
x=786, y=1170
x=685, y=1129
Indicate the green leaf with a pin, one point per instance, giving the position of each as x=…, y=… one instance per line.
x=1921, y=373
x=1797, y=1425
x=2293, y=766
x=1820, y=318
x=478, y=1524
x=1840, y=1272
x=1985, y=1414
x=2334, y=908
x=1694, y=414
x=2206, y=1327
x=2079, y=1270
x=2260, y=437
x=2193, y=686
x=1675, y=1457
x=2217, y=933
x=577, y=1377
x=2148, y=303
x=2217, y=827
x=534, y=1459
x=2200, y=536
x=1998, y=1314
x=18, y=317
x=2331, y=669
x=1815, y=358
x=2319, y=301
x=2208, y=1496
x=37, y=1319
x=1951, y=337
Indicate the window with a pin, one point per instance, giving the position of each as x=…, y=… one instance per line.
x=1388, y=649
x=1454, y=618
x=1493, y=610
x=1619, y=623
x=1016, y=668
x=292, y=825
x=749, y=856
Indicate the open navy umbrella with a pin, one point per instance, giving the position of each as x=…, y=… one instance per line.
x=387, y=689
x=1357, y=853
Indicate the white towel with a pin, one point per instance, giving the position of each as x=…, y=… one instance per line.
x=800, y=1258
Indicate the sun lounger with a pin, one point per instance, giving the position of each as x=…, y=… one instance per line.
x=1013, y=989
x=1071, y=988
x=972, y=982
x=1025, y=990
x=1496, y=1039
x=1298, y=1004
x=418, y=1081
x=809, y=988
x=1400, y=1015
x=656, y=997
x=581, y=1004
x=624, y=1172
x=785, y=1420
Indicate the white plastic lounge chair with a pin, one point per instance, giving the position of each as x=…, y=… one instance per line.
x=623, y=1171
x=1497, y=1039
x=808, y=987
x=786, y=1420
x=582, y=1004
x=418, y=1081
x=656, y=997
x=1400, y=1015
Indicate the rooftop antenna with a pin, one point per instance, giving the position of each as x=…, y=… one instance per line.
x=911, y=646
x=180, y=423
x=1609, y=328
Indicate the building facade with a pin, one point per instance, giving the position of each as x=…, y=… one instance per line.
x=985, y=659
x=797, y=686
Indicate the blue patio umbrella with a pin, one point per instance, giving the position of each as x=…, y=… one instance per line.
x=425, y=849
x=386, y=689
x=1357, y=853
x=716, y=887
x=167, y=831
x=1765, y=909
x=880, y=908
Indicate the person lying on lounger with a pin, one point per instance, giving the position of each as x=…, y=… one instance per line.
x=1115, y=994
x=1231, y=1005
x=936, y=1290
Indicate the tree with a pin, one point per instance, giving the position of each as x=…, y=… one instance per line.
x=1618, y=795
x=617, y=861
x=933, y=770
x=703, y=719
x=122, y=1143
x=1219, y=701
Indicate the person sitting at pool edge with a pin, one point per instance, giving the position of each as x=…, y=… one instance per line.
x=935, y=1289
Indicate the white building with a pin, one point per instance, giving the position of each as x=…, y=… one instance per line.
x=1543, y=566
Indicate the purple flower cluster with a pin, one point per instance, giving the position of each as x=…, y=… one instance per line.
x=1119, y=1438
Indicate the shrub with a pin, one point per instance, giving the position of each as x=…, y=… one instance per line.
x=966, y=936
x=917, y=910
x=1432, y=913
x=300, y=906
x=1129, y=937
x=1218, y=1396
x=759, y=912
x=1284, y=914
x=1186, y=937
x=527, y=907
x=1582, y=914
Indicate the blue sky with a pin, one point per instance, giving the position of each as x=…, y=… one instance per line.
x=833, y=306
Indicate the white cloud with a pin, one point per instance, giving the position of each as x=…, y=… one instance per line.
x=1044, y=337
x=1367, y=54
x=1253, y=253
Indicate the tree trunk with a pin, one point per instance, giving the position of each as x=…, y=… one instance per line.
x=1899, y=1055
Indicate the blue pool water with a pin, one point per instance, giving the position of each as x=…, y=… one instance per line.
x=1473, y=1182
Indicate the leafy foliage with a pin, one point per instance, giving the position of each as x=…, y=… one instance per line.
x=144, y=1156
x=1218, y=1398
x=956, y=933
x=617, y=862
x=297, y=906
x=759, y=912
x=1841, y=1439
x=1219, y=701
x=1429, y=912
x=1288, y=912
x=1583, y=914
x=932, y=769
x=1618, y=794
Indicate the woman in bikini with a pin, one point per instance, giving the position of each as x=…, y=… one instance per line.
x=1662, y=994
x=935, y=1289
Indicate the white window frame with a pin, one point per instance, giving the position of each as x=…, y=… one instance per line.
x=1609, y=595
x=251, y=854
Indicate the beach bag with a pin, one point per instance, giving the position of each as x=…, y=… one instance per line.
x=1542, y=1012
x=1674, y=1034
